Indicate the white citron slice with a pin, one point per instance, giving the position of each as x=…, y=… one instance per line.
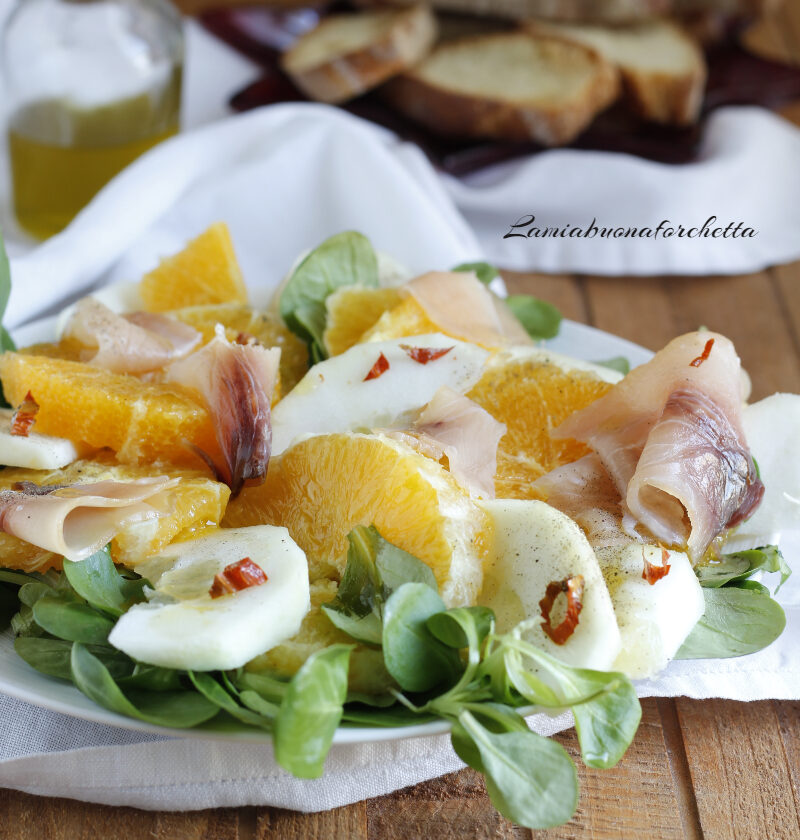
x=34, y=451
x=184, y=627
x=535, y=544
x=772, y=429
x=334, y=396
x=654, y=619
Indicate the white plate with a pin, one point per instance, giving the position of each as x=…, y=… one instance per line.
x=21, y=681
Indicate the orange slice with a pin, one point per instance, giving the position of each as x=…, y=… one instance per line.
x=141, y=421
x=205, y=271
x=351, y=311
x=322, y=487
x=404, y=319
x=533, y=391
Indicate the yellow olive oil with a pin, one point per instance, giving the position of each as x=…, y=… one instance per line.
x=61, y=155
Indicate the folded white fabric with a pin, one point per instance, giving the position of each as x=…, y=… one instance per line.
x=747, y=174
x=283, y=178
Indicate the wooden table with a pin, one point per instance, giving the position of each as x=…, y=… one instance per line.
x=710, y=769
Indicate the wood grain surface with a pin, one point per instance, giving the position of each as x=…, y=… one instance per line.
x=709, y=769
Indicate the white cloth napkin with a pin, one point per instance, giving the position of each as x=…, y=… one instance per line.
x=283, y=178
x=748, y=171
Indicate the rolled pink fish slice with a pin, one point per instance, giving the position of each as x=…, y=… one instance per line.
x=670, y=436
x=78, y=520
x=136, y=343
x=236, y=382
x=584, y=491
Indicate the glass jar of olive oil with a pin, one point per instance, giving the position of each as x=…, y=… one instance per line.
x=88, y=86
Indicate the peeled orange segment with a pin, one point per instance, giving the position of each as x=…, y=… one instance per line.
x=195, y=504
x=367, y=672
x=268, y=329
x=67, y=348
x=141, y=421
x=205, y=271
x=324, y=486
x=404, y=319
x=532, y=391
x=351, y=311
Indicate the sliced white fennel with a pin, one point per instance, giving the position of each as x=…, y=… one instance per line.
x=654, y=619
x=535, y=545
x=341, y=394
x=33, y=451
x=182, y=626
x=772, y=429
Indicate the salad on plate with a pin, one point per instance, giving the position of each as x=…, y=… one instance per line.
x=376, y=501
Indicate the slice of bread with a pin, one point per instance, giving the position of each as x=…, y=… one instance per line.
x=511, y=86
x=602, y=11
x=663, y=69
x=348, y=54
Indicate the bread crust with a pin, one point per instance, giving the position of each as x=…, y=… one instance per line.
x=456, y=113
x=672, y=98
x=608, y=11
x=666, y=99
x=341, y=77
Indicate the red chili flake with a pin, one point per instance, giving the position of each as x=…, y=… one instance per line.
x=573, y=588
x=652, y=573
x=704, y=355
x=247, y=339
x=237, y=576
x=25, y=416
x=423, y=355
x=378, y=369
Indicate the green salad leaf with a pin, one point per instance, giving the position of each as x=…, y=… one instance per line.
x=53, y=657
x=411, y=653
x=311, y=710
x=67, y=618
x=97, y=581
x=530, y=779
x=740, y=616
x=738, y=620
x=540, y=319
x=618, y=363
x=342, y=260
x=209, y=688
x=176, y=709
x=485, y=272
x=732, y=569
x=147, y=677
x=375, y=568
x=606, y=708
